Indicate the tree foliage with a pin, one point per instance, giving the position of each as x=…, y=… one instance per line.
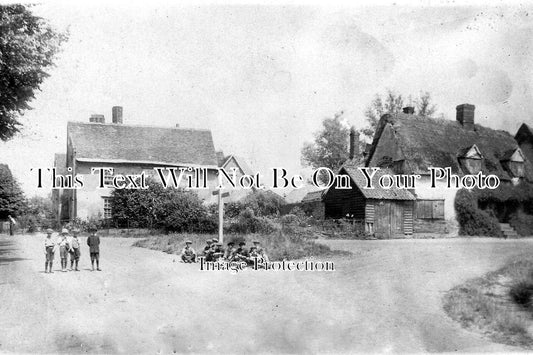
x=12, y=200
x=28, y=46
x=157, y=207
x=473, y=221
x=262, y=203
x=330, y=146
x=393, y=102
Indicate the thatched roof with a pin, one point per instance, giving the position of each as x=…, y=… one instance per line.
x=524, y=133
x=430, y=142
x=142, y=144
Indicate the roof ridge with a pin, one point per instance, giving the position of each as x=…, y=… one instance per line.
x=138, y=125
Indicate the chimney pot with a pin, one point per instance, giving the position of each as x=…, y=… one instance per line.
x=465, y=115
x=117, y=114
x=354, y=143
x=97, y=118
x=410, y=110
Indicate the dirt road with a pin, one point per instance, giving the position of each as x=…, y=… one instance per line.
x=386, y=298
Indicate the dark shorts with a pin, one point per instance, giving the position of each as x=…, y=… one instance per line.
x=50, y=254
x=95, y=255
x=75, y=254
x=63, y=252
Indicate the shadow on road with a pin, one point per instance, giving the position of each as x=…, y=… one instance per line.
x=7, y=247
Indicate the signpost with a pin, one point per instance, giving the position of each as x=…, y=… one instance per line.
x=220, y=195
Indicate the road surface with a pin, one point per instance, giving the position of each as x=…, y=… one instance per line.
x=385, y=298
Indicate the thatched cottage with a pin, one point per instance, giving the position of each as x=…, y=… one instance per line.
x=410, y=144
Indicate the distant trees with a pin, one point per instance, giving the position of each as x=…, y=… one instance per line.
x=12, y=200
x=393, y=102
x=330, y=146
x=39, y=211
x=28, y=46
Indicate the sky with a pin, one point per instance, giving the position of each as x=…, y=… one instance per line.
x=262, y=78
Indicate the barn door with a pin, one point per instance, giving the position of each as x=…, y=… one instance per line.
x=382, y=219
x=396, y=218
x=388, y=219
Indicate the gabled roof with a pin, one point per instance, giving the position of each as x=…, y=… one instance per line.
x=142, y=144
x=524, y=133
x=241, y=163
x=514, y=154
x=430, y=142
x=470, y=152
x=377, y=192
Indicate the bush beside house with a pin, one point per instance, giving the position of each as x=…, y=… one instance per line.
x=473, y=221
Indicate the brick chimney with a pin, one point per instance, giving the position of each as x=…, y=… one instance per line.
x=410, y=110
x=465, y=115
x=354, y=143
x=97, y=118
x=117, y=114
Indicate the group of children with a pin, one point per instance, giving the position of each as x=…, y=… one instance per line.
x=69, y=245
x=215, y=251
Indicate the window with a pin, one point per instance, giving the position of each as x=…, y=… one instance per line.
x=108, y=177
x=430, y=209
x=107, y=207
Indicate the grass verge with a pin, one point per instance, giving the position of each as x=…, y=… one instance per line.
x=497, y=304
x=279, y=246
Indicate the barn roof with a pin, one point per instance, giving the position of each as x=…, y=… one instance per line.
x=142, y=144
x=314, y=196
x=377, y=192
x=430, y=142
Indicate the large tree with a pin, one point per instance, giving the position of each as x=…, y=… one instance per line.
x=12, y=201
x=28, y=46
x=393, y=102
x=330, y=146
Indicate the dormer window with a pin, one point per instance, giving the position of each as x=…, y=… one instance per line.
x=513, y=162
x=471, y=160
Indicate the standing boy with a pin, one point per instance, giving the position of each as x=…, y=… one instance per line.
x=64, y=248
x=49, y=246
x=75, y=250
x=93, y=241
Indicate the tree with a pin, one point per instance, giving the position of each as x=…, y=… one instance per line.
x=330, y=146
x=12, y=201
x=424, y=107
x=28, y=46
x=394, y=103
x=156, y=207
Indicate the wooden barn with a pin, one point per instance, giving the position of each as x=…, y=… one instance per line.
x=385, y=212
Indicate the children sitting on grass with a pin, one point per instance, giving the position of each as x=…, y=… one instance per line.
x=214, y=251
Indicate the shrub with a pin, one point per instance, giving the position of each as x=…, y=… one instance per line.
x=522, y=223
x=173, y=210
x=473, y=221
x=521, y=292
x=263, y=203
x=248, y=222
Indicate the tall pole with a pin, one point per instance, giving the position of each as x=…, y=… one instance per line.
x=220, y=217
